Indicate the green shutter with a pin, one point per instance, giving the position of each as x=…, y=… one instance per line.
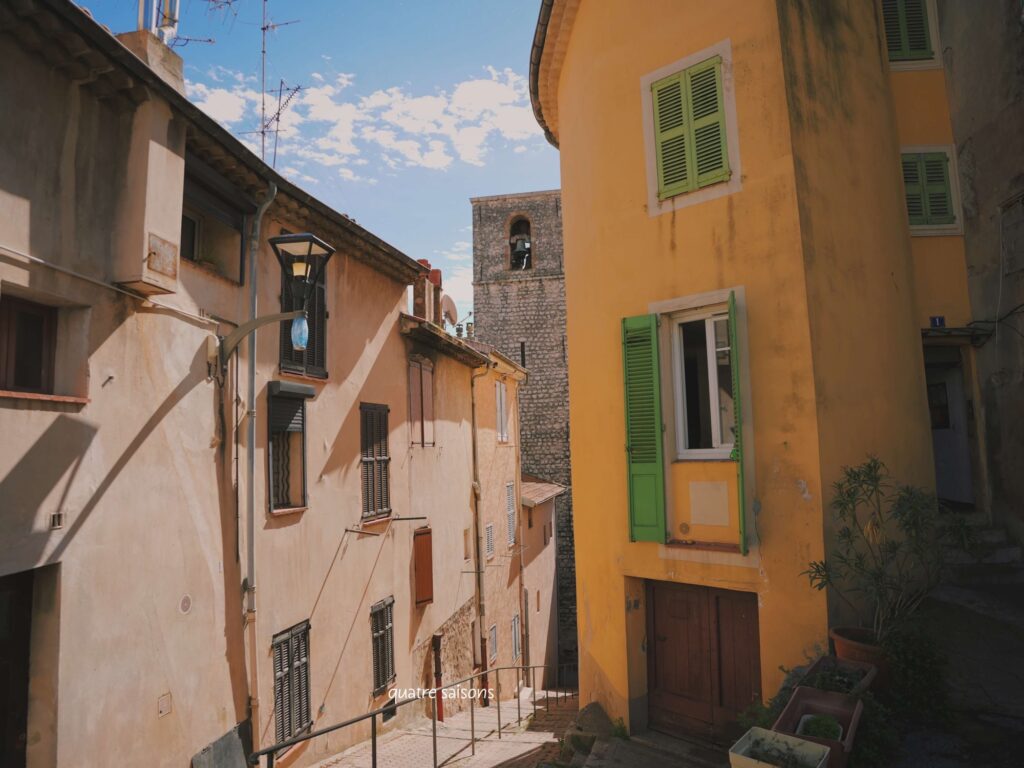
x=644, y=442
x=689, y=129
x=707, y=120
x=671, y=137
x=937, y=196
x=926, y=185
x=906, y=29
x=737, y=402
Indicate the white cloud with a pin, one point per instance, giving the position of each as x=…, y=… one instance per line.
x=459, y=285
x=461, y=250
x=223, y=105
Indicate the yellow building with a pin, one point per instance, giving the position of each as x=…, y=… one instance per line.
x=761, y=216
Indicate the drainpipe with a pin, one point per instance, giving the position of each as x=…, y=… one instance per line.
x=250, y=475
x=481, y=640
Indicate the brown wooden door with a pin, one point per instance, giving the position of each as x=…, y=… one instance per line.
x=704, y=664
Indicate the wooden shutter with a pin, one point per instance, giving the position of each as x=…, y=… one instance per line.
x=300, y=680
x=510, y=512
x=913, y=189
x=671, y=136
x=423, y=565
x=737, y=401
x=489, y=539
x=416, y=402
x=644, y=443
x=287, y=414
x=316, y=350
x=290, y=360
x=375, y=459
x=282, y=694
x=707, y=120
x=906, y=29
x=937, y=196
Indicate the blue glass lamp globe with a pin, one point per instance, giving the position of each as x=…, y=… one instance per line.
x=300, y=334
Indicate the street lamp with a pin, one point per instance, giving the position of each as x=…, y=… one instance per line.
x=303, y=258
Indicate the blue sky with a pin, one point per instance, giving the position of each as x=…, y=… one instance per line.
x=407, y=110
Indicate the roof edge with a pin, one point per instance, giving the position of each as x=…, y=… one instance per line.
x=536, y=55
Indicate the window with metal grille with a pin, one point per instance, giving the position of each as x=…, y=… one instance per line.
x=312, y=361
x=501, y=410
x=382, y=630
x=906, y=29
x=421, y=401
x=516, y=638
x=28, y=340
x=689, y=129
x=286, y=455
x=376, y=460
x=489, y=539
x=510, y=512
x=292, y=711
x=492, y=642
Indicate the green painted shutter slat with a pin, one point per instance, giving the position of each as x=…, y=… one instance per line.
x=671, y=137
x=644, y=448
x=906, y=29
x=737, y=405
x=937, y=196
x=707, y=120
x=913, y=186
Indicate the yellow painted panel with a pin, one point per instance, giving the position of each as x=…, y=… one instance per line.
x=922, y=112
x=693, y=502
x=940, y=279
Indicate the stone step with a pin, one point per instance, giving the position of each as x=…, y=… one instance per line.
x=986, y=554
x=973, y=519
x=978, y=574
x=991, y=536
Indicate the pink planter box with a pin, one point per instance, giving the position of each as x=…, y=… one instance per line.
x=810, y=701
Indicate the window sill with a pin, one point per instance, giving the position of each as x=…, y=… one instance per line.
x=375, y=520
x=936, y=230
x=301, y=376
x=8, y=394
x=914, y=65
x=704, y=546
x=709, y=455
x=283, y=511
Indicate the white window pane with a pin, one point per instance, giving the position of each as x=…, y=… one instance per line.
x=723, y=366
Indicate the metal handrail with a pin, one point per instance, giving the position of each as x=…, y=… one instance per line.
x=274, y=750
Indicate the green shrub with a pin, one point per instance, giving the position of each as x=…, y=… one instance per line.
x=821, y=727
x=878, y=739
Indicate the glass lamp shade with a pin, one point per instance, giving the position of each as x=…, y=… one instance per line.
x=303, y=258
x=300, y=334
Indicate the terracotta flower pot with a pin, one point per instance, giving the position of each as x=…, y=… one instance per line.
x=845, y=709
x=852, y=669
x=855, y=644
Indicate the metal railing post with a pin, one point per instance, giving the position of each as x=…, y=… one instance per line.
x=519, y=697
x=270, y=760
x=533, y=685
x=433, y=725
x=373, y=741
x=472, y=726
x=497, y=696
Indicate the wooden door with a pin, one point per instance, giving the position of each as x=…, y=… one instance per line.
x=15, y=628
x=704, y=664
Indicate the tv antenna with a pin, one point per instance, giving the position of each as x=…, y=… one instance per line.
x=264, y=126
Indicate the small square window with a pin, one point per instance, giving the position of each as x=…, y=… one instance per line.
x=28, y=341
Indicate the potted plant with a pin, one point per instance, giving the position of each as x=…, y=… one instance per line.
x=830, y=673
x=887, y=557
x=824, y=717
x=761, y=748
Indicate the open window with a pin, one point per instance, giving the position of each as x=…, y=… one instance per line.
x=703, y=384
x=213, y=219
x=520, y=245
x=286, y=454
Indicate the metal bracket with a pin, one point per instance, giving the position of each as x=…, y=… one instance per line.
x=228, y=344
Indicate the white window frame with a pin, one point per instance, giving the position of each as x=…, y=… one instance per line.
x=936, y=230
x=656, y=207
x=710, y=315
x=501, y=410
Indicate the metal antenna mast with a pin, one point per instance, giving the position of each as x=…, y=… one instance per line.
x=264, y=28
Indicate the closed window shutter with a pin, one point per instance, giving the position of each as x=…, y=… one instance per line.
x=913, y=189
x=906, y=29
x=423, y=563
x=489, y=539
x=282, y=696
x=938, y=198
x=382, y=633
x=707, y=118
x=375, y=459
x=300, y=676
x=671, y=136
x=292, y=708
x=644, y=446
x=737, y=401
x=510, y=512
x=287, y=414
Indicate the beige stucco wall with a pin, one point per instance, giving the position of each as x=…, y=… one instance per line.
x=539, y=618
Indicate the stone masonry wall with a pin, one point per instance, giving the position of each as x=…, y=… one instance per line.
x=522, y=313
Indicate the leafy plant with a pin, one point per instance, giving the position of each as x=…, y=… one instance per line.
x=765, y=715
x=781, y=755
x=833, y=677
x=889, y=548
x=821, y=727
x=619, y=729
x=878, y=739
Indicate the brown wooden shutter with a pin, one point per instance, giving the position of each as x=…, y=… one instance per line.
x=423, y=564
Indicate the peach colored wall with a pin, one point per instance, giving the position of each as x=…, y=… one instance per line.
x=538, y=552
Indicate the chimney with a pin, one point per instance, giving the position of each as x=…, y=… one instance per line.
x=435, y=280
x=423, y=293
x=164, y=62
